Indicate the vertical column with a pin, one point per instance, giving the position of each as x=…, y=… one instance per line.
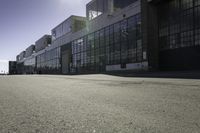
x=150, y=33
x=110, y=6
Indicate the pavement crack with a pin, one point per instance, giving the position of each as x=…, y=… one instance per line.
x=197, y=125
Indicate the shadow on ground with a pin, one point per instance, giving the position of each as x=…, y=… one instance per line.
x=160, y=74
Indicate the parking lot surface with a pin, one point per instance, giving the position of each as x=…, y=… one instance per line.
x=98, y=104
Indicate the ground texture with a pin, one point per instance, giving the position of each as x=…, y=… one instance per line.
x=98, y=104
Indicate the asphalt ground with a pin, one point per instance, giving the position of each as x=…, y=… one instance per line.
x=98, y=104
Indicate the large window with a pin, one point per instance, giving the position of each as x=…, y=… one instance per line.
x=49, y=62
x=116, y=45
x=118, y=4
x=135, y=49
x=62, y=29
x=119, y=43
x=29, y=65
x=107, y=44
x=124, y=41
x=179, y=23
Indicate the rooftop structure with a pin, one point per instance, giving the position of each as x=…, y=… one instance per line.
x=30, y=50
x=42, y=43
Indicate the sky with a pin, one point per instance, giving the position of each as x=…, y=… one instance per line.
x=22, y=22
x=3, y=66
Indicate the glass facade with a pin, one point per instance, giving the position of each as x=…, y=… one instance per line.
x=120, y=43
x=49, y=62
x=78, y=25
x=29, y=65
x=119, y=4
x=61, y=29
x=179, y=24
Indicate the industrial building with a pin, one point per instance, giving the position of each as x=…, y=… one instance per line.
x=116, y=35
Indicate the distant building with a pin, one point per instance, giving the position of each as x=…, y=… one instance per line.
x=123, y=35
x=12, y=67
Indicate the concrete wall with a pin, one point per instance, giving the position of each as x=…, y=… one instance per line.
x=129, y=66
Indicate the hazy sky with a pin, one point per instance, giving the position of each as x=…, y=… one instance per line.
x=22, y=22
x=3, y=66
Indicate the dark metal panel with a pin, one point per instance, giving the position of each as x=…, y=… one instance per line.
x=180, y=59
x=150, y=33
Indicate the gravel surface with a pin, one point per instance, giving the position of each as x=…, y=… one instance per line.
x=98, y=104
